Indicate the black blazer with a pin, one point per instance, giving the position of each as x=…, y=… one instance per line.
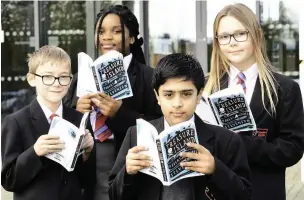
x=279, y=142
x=230, y=180
x=29, y=176
x=142, y=104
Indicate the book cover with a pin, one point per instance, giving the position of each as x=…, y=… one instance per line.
x=232, y=110
x=106, y=74
x=165, y=150
x=72, y=136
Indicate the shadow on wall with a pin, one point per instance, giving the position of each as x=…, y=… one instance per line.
x=15, y=100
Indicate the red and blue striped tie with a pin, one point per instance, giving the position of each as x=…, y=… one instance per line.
x=241, y=80
x=101, y=132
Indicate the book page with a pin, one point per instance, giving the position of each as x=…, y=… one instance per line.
x=71, y=135
x=146, y=136
x=204, y=112
x=232, y=109
x=112, y=76
x=174, y=140
x=85, y=82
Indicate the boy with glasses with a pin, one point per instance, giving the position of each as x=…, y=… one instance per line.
x=25, y=142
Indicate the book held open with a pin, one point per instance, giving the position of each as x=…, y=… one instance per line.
x=106, y=74
x=227, y=108
x=72, y=137
x=165, y=149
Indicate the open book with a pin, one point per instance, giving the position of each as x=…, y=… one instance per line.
x=227, y=108
x=165, y=149
x=72, y=136
x=106, y=74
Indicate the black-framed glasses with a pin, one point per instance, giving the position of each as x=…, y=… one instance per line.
x=50, y=80
x=239, y=36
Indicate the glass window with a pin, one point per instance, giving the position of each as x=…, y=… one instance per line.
x=280, y=22
x=171, y=28
x=213, y=7
x=17, y=19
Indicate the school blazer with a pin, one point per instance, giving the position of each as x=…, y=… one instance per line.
x=142, y=104
x=29, y=176
x=231, y=179
x=279, y=141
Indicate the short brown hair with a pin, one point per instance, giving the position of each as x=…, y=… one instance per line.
x=47, y=54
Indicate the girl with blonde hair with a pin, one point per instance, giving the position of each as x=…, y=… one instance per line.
x=239, y=57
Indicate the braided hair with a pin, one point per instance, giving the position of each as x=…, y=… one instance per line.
x=128, y=19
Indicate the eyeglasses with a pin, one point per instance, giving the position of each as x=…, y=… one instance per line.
x=50, y=80
x=239, y=36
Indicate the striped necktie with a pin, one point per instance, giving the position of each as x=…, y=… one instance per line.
x=52, y=116
x=241, y=80
x=101, y=132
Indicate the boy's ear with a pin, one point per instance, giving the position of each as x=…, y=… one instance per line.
x=157, y=97
x=199, y=96
x=31, y=79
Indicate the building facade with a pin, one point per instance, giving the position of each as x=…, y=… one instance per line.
x=167, y=26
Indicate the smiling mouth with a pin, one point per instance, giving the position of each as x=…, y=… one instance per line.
x=108, y=46
x=235, y=52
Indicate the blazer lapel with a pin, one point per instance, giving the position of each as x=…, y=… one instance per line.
x=224, y=81
x=256, y=104
x=132, y=72
x=204, y=135
x=38, y=118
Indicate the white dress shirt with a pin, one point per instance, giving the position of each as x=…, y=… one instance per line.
x=48, y=112
x=251, y=75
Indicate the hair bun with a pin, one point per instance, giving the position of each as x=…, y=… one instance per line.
x=140, y=41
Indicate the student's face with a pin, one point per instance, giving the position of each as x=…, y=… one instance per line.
x=110, y=35
x=50, y=95
x=240, y=54
x=178, y=99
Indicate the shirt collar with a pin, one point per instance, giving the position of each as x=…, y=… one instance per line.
x=48, y=112
x=167, y=124
x=127, y=60
x=250, y=73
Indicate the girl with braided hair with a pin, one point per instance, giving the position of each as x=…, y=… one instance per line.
x=116, y=28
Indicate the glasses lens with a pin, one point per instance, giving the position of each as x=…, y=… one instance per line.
x=223, y=39
x=65, y=80
x=240, y=36
x=48, y=80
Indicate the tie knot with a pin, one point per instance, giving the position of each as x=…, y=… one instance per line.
x=53, y=115
x=242, y=76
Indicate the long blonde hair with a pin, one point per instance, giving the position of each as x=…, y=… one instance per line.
x=220, y=64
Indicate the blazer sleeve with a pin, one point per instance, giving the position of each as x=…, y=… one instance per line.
x=287, y=149
x=20, y=166
x=232, y=173
x=122, y=185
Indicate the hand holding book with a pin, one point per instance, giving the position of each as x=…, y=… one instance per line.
x=136, y=161
x=46, y=144
x=202, y=162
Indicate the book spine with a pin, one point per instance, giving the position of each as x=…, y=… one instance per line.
x=214, y=113
x=95, y=78
x=77, y=152
x=161, y=159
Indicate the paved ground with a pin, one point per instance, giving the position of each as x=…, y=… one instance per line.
x=294, y=187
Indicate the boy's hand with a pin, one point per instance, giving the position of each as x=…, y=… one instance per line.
x=204, y=160
x=107, y=105
x=48, y=144
x=84, y=104
x=136, y=161
x=88, y=142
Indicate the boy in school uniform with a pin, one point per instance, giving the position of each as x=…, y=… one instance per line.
x=25, y=140
x=178, y=82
